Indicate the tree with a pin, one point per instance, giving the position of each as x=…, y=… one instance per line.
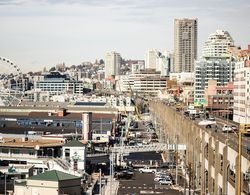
x=101, y=61
x=52, y=69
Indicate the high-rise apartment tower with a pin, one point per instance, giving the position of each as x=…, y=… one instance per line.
x=112, y=64
x=185, y=44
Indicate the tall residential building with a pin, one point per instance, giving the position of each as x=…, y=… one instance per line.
x=242, y=87
x=112, y=64
x=151, y=60
x=140, y=65
x=217, y=45
x=215, y=63
x=185, y=44
x=160, y=61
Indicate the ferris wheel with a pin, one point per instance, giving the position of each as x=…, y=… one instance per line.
x=11, y=83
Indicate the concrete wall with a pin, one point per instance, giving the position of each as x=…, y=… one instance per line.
x=212, y=160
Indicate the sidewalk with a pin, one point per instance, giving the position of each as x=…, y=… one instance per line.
x=112, y=187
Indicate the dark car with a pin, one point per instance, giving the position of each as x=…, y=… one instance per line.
x=125, y=173
x=2, y=125
x=192, y=117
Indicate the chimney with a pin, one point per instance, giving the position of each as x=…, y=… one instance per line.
x=87, y=126
x=61, y=112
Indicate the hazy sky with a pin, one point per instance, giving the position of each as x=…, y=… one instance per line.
x=38, y=33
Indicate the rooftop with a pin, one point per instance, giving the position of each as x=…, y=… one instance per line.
x=30, y=143
x=53, y=176
x=75, y=143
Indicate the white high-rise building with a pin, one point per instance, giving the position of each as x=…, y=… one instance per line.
x=242, y=88
x=160, y=61
x=151, y=61
x=185, y=44
x=217, y=45
x=215, y=63
x=112, y=64
x=140, y=65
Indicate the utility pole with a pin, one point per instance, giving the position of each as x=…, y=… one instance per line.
x=100, y=180
x=5, y=184
x=239, y=162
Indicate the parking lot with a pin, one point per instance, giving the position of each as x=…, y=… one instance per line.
x=143, y=183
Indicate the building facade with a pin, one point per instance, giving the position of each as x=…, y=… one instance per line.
x=147, y=82
x=205, y=70
x=112, y=64
x=219, y=99
x=57, y=84
x=50, y=182
x=160, y=61
x=185, y=44
x=215, y=64
x=242, y=88
x=151, y=60
x=217, y=45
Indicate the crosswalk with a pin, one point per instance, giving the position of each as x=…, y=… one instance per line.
x=148, y=187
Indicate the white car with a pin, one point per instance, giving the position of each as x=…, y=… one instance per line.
x=162, y=177
x=166, y=182
x=227, y=128
x=147, y=170
x=207, y=123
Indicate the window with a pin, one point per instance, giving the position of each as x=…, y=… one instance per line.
x=15, y=151
x=5, y=150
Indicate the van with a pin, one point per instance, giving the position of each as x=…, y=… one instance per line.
x=227, y=128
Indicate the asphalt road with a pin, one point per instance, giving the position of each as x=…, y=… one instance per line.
x=233, y=137
x=143, y=183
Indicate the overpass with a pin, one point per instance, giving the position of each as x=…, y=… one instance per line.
x=156, y=147
x=211, y=157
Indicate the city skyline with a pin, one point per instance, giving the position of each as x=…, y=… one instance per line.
x=35, y=34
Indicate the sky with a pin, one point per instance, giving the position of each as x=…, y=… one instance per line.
x=42, y=33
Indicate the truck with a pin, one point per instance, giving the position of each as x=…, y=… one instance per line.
x=147, y=170
x=207, y=123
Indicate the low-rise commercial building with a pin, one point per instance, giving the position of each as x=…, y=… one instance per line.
x=219, y=99
x=50, y=182
x=146, y=82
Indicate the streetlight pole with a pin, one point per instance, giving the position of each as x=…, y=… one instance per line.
x=5, y=184
x=239, y=162
x=100, y=184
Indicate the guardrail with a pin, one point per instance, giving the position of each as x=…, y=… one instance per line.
x=147, y=148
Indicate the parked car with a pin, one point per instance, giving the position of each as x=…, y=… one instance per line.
x=3, y=125
x=227, y=128
x=147, y=170
x=211, y=118
x=207, y=123
x=124, y=174
x=166, y=182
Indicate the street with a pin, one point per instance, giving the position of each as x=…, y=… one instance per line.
x=143, y=183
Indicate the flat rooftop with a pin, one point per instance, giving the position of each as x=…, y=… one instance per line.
x=30, y=143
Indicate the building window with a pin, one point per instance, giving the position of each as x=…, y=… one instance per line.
x=5, y=150
x=15, y=151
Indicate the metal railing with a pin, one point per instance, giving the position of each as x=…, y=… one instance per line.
x=148, y=148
